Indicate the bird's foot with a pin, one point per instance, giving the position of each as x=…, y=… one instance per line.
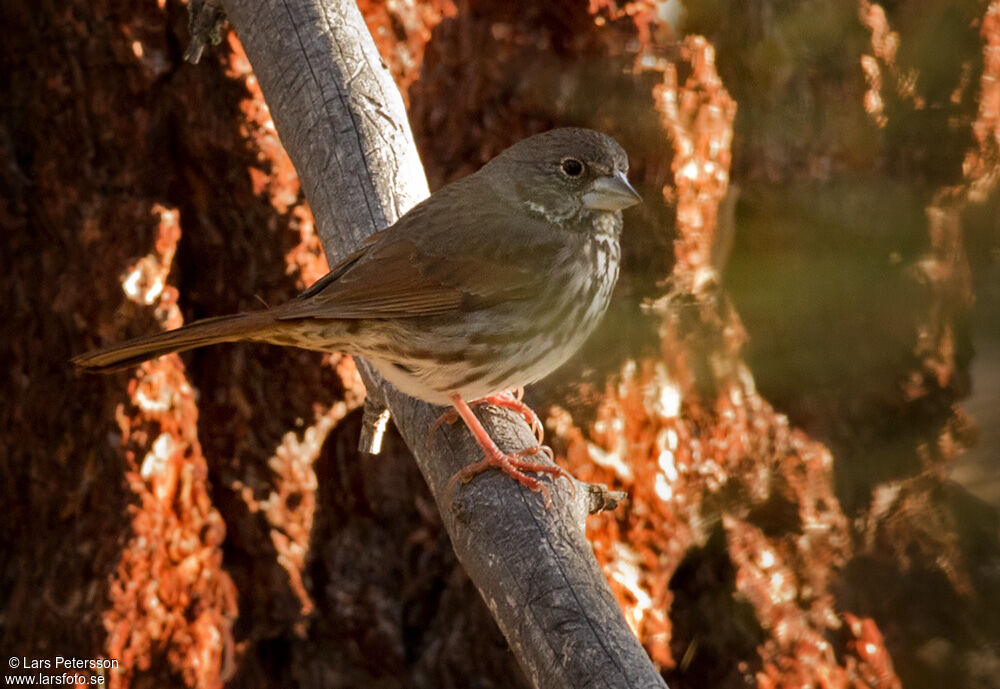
x=514, y=465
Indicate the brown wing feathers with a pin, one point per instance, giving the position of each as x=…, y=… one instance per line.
x=386, y=281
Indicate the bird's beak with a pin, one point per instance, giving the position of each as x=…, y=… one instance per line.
x=611, y=193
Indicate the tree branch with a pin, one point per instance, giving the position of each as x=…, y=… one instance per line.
x=342, y=121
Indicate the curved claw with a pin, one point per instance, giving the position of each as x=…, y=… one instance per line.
x=537, y=449
x=555, y=470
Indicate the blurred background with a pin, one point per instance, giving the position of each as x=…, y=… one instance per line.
x=798, y=383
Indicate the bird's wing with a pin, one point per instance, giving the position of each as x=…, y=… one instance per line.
x=427, y=264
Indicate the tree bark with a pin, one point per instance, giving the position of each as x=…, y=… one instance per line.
x=342, y=121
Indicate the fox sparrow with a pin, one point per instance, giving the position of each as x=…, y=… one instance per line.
x=487, y=285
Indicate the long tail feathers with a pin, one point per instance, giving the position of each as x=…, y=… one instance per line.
x=239, y=326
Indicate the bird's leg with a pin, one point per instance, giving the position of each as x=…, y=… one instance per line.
x=509, y=400
x=511, y=464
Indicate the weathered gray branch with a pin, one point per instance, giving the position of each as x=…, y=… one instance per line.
x=342, y=121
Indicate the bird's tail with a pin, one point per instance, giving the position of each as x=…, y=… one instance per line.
x=239, y=326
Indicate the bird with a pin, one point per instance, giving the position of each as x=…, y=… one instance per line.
x=487, y=285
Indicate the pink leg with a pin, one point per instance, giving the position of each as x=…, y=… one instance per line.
x=508, y=400
x=511, y=464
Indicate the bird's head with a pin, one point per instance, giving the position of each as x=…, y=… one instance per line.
x=563, y=173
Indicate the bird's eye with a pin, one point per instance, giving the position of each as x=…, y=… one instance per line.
x=571, y=167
